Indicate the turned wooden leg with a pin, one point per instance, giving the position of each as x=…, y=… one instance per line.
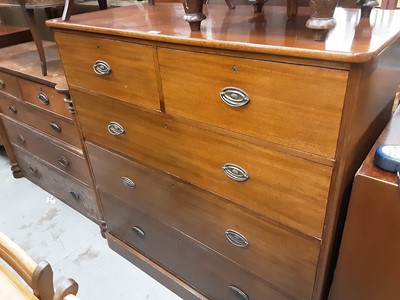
x=292, y=8
x=30, y=19
x=102, y=4
x=257, y=5
x=69, y=5
x=103, y=229
x=193, y=13
x=15, y=168
x=230, y=3
x=321, y=20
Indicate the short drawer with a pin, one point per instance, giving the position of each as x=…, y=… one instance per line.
x=58, y=127
x=61, y=185
x=117, y=69
x=292, y=105
x=284, y=188
x=44, y=97
x=281, y=257
x=9, y=85
x=203, y=268
x=62, y=156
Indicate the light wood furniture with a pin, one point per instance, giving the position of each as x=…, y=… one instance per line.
x=38, y=127
x=369, y=261
x=222, y=157
x=38, y=276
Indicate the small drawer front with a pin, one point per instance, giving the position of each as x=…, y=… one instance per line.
x=44, y=97
x=61, y=185
x=9, y=85
x=117, y=69
x=58, y=127
x=213, y=274
x=281, y=257
x=292, y=105
x=62, y=156
x=289, y=190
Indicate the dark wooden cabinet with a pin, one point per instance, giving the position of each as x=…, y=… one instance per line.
x=222, y=157
x=39, y=129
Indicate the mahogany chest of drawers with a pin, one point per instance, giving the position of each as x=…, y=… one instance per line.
x=222, y=157
x=39, y=130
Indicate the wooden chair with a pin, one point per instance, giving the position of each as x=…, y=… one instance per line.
x=39, y=277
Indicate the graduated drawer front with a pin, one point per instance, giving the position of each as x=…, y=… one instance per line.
x=132, y=77
x=193, y=262
x=61, y=185
x=289, y=190
x=292, y=105
x=60, y=155
x=9, y=85
x=60, y=128
x=281, y=257
x=44, y=97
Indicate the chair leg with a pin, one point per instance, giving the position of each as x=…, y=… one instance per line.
x=230, y=3
x=30, y=19
x=66, y=15
x=292, y=8
x=102, y=4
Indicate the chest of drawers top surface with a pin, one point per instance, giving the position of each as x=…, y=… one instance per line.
x=240, y=29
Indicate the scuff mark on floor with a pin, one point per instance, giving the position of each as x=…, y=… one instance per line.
x=89, y=254
x=50, y=215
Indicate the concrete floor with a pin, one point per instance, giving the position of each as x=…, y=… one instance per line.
x=48, y=229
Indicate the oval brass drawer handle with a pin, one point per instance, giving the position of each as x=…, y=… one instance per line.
x=236, y=238
x=74, y=194
x=55, y=127
x=43, y=98
x=235, y=172
x=32, y=170
x=2, y=84
x=234, y=97
x=139, y=232
x=21, y=139
x=238, y=293
x=115, y=129
x=101, y=68
x=63, y=161
x=127, y=182
x=13, y=109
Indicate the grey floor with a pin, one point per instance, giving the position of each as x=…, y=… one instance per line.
x=48, y=229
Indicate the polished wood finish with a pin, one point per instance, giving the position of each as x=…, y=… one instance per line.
x=368, y=263
x=41, y=120
x=309, y=180
x=31, y=92
x=38, y=276
x=186, y=155
x=74, y=193
x=194, y=212
x=11, y=35
x=59, y=154
x=132, y=80
x=310, y=123
x=9, y=85
x=177, y=252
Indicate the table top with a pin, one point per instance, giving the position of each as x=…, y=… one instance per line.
x=270, y=32
x=23, y=60
x=390, y=135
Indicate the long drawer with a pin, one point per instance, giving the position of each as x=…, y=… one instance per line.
x=58, y=127
x=286, y=189
x=214, y=275
x=293, y=105
x=62, y=156
x=117, y=69
x=61, y=185
x=281, y=257
x=9, y=85
x=44, y=97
